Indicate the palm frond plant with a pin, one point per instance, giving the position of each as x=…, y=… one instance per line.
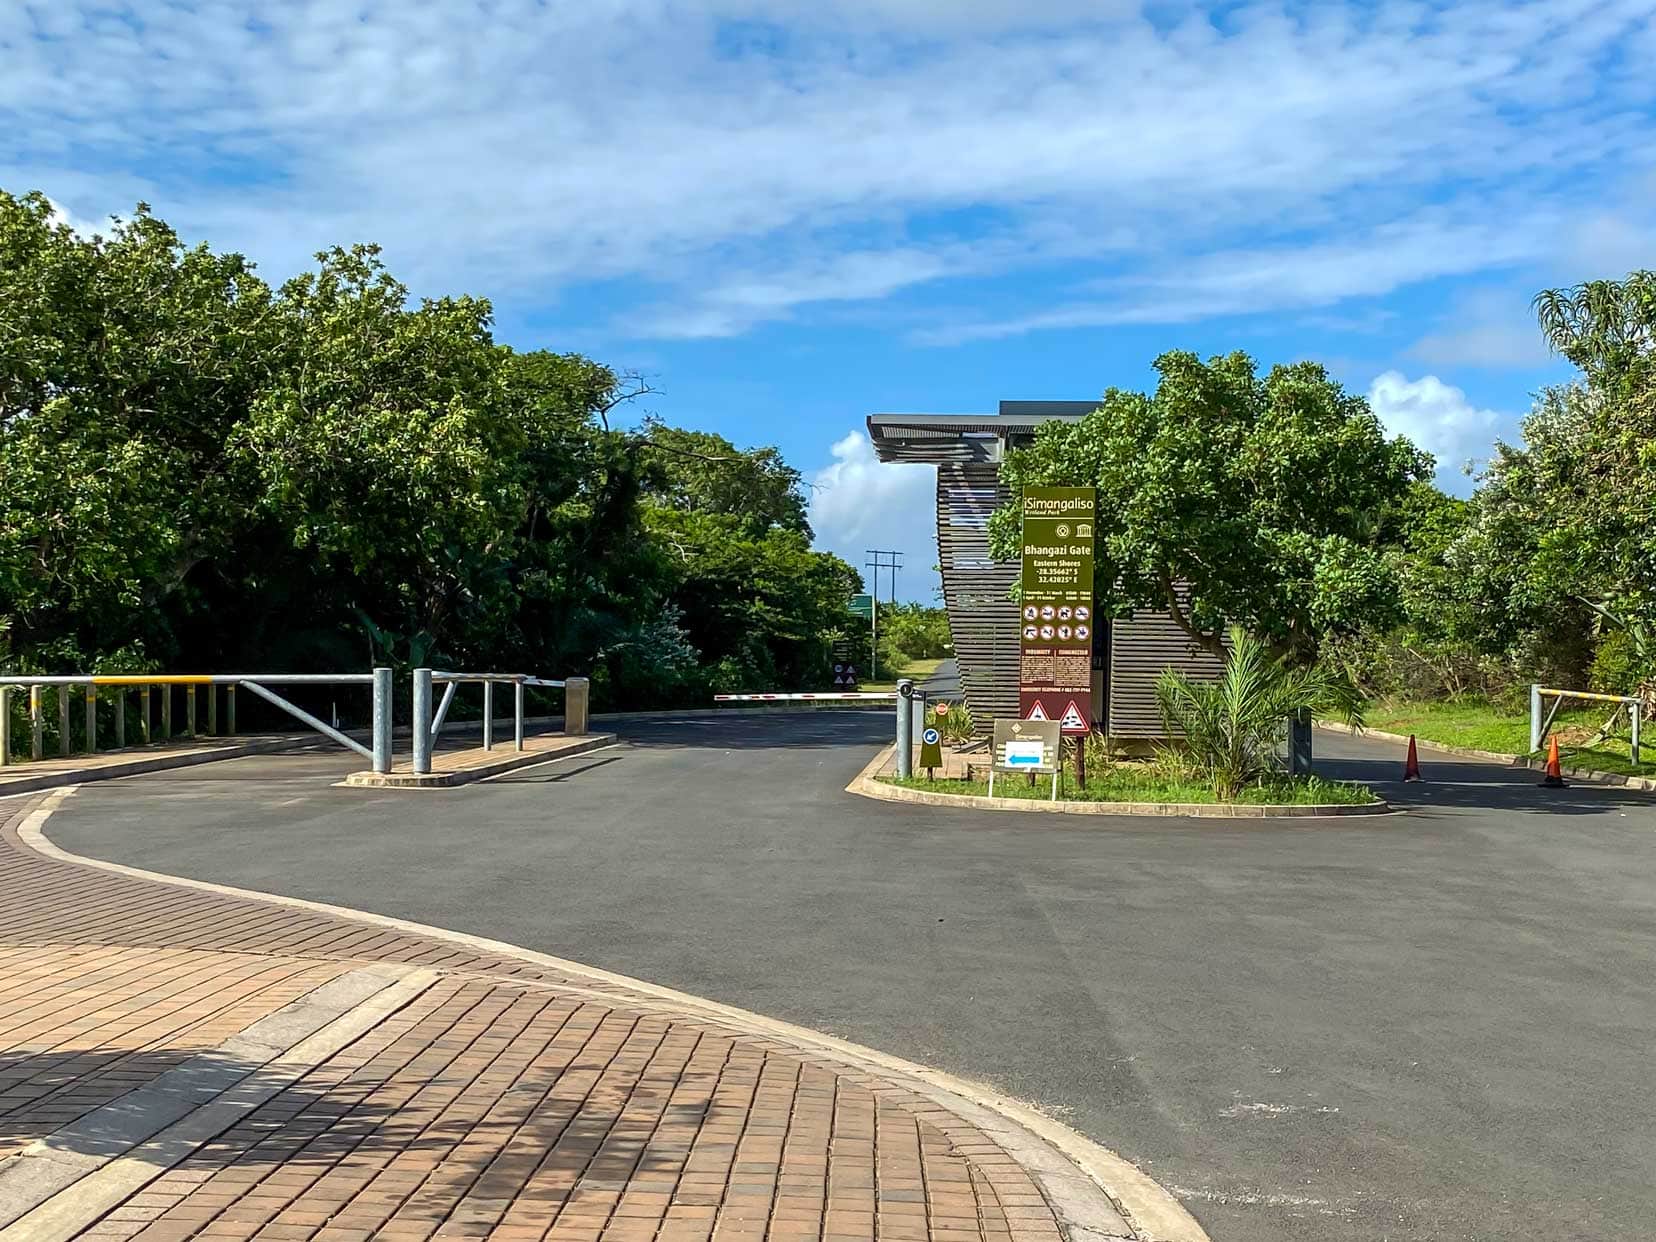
x=1234, y=727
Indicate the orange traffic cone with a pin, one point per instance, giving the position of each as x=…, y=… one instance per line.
x=1411, y=765
x=1555, y=771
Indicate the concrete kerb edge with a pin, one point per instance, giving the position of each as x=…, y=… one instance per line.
x=866, y=785
x=1051, y=1151
x=509, y=761
x=1643, y=783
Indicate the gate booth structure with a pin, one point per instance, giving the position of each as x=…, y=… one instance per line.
x=117, y=685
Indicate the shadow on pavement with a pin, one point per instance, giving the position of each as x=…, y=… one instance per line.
x=783, y=730
x=1482, y=786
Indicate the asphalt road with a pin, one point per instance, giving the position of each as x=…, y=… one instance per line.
x=1435, y=1025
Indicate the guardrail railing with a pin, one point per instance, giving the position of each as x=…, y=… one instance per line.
x=1539, y=727
x=427, y=724
x=379, y=753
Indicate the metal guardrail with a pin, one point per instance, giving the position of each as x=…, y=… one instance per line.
x=1539, y=727
x=379, y=754
x=427, y=724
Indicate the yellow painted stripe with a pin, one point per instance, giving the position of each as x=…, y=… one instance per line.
x=152, y=679
x=1597, y=698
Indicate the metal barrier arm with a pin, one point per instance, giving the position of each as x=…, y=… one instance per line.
x=442, y=708
x=300, y=713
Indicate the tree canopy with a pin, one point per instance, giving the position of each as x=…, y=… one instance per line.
x=201, y=469
x=1225, y=498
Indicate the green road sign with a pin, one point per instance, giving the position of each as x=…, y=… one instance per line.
x=863, y=605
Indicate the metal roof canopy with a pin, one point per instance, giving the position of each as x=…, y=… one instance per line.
x=943, y=438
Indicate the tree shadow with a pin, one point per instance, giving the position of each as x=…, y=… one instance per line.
x=762, y=731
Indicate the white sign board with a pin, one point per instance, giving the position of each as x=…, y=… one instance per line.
x=1025, y=754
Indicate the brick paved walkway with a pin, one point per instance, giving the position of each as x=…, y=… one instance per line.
x=503, y=1100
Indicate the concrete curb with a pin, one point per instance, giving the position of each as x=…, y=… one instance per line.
x=139, y=764
x=1069, y=1167
x=510, y=761
x=866, y=785
x=1643, y=783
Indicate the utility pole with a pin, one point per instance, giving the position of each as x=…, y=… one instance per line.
x=879, y=559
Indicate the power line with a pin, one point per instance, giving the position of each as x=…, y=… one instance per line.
x=883, y=559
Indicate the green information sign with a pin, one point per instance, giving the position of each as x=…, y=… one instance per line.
x=1057, y=621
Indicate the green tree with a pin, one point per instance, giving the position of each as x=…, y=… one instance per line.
x=913, y=632
x=125, y=361
x=1224, y=497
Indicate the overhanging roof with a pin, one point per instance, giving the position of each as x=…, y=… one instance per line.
x=939, y=438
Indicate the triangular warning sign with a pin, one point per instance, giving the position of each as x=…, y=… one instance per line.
x=1072, y=717
x=1036, y=712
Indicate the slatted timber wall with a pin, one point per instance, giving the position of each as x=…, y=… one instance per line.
x=1140, y=647
x=983, y=621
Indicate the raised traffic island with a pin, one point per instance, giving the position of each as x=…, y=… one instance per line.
x=961, y=786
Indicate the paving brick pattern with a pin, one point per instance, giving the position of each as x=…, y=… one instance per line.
x=505, y=1101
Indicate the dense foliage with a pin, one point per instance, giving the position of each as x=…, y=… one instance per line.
x=199, y=470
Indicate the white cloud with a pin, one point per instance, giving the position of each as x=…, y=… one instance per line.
x=82, y=228
x=1439, y=418
x=859, y=503
x=519, y=146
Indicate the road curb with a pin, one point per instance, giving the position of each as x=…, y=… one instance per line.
x=141, y=764
x=866, y=785
x=1642, y=783
x=509, y=761
x=1070, y=1168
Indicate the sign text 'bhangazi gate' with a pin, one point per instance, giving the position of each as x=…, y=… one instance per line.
x=1055, y=679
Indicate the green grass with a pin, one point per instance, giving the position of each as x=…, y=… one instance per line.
x=1480, y=725
x=1139, y=783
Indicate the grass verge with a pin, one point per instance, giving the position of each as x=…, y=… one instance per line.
x=1480, y=725
x=1123, y=783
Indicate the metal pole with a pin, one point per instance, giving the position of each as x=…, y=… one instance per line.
x=1635, y=712
x=488, y=715
x=382, y=719
x=327, y=730
x=1535, y=716
x=189, y=712
x=1299, y=744
x=422, y=720
x=873, y=637
x=905, y=729
x=230, y=709
x=144, y=714
x=120, y=718
x=37, y=726
x=517, y=714
x=65, y=744
x=166, y=712
x=5, y=725
x=91, y=718
x=212, y=711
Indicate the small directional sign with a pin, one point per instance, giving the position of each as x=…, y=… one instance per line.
x=931, y=749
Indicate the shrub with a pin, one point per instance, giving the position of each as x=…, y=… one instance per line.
x=1233, y=727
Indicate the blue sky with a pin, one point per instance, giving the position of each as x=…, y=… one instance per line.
x=788, y=216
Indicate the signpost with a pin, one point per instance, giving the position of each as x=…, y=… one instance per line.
x=931, y=741
x=1058, y=619
x=1026, y=746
